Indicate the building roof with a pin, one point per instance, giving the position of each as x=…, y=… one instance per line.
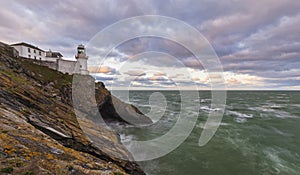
x=55, y=54
x=73, y=61
x=27, y=45
x=80, y=46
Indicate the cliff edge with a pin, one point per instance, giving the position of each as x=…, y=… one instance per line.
x=39, y=131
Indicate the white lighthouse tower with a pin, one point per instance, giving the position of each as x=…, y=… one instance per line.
x=82, y=60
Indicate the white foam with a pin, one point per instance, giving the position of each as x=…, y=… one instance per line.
x=202, y=125
x=295, y=105
x=205, y=100
x=239, y=115
x=263, y=109
x=126, y=138
x=283, y=114
x=240, y=120
x=274, y=106
x=208, y=109
x=273, y=112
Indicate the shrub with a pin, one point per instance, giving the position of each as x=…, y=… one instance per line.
x=7, y=170
x=29, y=173
x=117, y=173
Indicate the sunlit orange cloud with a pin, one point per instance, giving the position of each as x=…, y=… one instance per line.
x=159, y=74
x=157, y=78
x=196, y=79
x=102, y=69
x=242, y=79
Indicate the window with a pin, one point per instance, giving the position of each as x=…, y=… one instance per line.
x=35, y=57
x=29, y=50
x=40, y=53
x=80, y=66
x=29, y=56
x=40, y=58
x=34, y=51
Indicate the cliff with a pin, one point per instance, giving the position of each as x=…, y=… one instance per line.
x=39, y=131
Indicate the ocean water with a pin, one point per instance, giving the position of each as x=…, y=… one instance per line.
x=259, y=134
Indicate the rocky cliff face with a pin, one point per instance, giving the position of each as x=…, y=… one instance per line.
x=39, y=131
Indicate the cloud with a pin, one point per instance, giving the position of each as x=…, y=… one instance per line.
x=253, y=40
x=102, y=69
x=135, y=73
x=102, y=78
x=233, y=79
x=160, y=74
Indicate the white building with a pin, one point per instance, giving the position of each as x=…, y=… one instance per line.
x=54, y=59
x=53, y=56
x=82, y=60
x=29, y=51
x=75, y=67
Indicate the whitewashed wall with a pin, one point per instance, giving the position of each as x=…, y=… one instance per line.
x=66, y=66
x=82, y=66
x=51, y=59
x=32, y=54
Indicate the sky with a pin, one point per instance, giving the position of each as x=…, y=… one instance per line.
x=257, y=42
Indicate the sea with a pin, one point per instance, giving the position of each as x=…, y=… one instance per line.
x=259, y=133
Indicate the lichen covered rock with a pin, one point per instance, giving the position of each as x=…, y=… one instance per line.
x=39, y=131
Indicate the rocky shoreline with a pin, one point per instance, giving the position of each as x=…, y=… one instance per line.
x=39, y=131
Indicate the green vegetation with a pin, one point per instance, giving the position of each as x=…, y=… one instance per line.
x=12, y=76
x=29, y=173
x=5, y=131
x=7, y=170
x=117, y=173
x=47, y=75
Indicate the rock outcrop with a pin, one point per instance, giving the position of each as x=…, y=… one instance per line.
x=40, y=133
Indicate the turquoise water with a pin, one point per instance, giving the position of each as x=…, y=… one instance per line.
x=259, y=134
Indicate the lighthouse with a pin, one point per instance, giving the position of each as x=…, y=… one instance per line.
x=82, y=60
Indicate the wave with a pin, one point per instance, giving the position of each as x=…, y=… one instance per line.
x=202, y=125
x=263, y=109
x=239, y=115
x=295, y=105
x=284, y=114
x=274, y=106
x=204, y=100
x=272, y=112
x=277, y=163
x=208, y=109
x=240, y=120
x=277, y=131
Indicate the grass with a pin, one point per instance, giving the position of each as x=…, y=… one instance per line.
x=47, y=75
x=13, y=76
x=29, y=173
x=7, y=170
x=117, y=173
